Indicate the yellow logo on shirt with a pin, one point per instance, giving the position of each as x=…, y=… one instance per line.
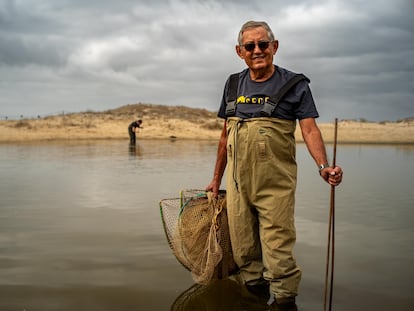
x=256, y=100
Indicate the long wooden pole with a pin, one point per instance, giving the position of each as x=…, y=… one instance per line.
x=331, y=232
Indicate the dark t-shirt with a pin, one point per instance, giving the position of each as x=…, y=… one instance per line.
x=298, y=103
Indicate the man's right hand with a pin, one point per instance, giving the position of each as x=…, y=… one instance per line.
x=214, y=187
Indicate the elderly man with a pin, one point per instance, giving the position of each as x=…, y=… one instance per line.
x=257, y=145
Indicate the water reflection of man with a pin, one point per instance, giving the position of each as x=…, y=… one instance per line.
x=226, y=294
x=135, y=150
x=132, y=128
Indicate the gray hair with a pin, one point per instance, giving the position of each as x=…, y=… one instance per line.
x=254, y=24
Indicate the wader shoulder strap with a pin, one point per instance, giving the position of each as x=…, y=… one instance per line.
x=232, y=95
x=271, y=104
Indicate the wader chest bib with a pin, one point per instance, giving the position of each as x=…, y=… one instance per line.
x=261, y=184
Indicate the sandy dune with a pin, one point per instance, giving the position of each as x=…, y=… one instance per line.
x=164, y=122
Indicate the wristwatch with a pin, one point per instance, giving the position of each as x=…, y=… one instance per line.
x=323, y=166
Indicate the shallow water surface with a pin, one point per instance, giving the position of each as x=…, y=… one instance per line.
x=80, y=227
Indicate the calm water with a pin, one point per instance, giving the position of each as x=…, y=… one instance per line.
x=80, y=227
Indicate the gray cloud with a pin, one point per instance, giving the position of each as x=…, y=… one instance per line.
x=75, y=55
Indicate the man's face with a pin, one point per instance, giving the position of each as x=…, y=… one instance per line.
x=260, y=56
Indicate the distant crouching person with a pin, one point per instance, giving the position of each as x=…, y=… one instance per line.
x=132, y=128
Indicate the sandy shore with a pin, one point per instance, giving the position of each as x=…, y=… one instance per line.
x=164, y=122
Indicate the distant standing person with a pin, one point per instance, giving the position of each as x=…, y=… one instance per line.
x=132, y=130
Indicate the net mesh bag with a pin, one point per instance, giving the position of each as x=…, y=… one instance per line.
x=196, y=227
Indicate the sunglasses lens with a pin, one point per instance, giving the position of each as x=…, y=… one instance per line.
x=249, y=46
x=263, y=45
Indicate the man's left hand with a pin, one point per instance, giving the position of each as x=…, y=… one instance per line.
x=332, y=176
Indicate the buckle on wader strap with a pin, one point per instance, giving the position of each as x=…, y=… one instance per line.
x=268, y=108
x=231, y=109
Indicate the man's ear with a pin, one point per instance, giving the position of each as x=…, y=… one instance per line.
x=275, y=46
x=239, y=51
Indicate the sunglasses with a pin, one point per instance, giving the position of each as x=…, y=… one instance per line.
x=263, y=45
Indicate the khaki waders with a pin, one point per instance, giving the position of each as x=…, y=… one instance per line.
x=261, y=184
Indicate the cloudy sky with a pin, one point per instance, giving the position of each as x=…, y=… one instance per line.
x=76, y=55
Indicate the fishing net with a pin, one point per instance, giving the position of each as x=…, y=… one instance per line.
x=197, y=231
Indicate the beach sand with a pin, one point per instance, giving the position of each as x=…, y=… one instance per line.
x=179, y=122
